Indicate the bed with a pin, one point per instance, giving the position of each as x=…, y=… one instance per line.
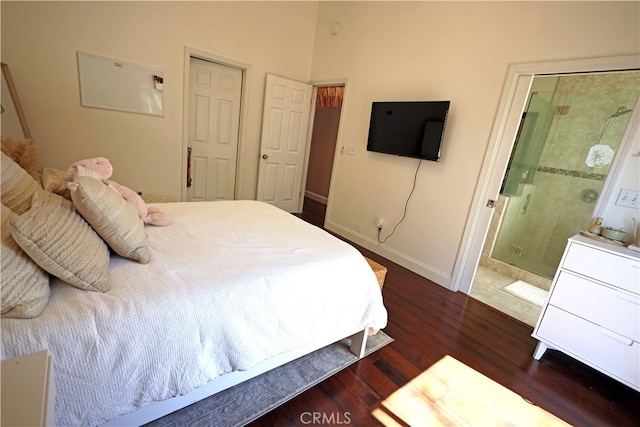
x=230, y=290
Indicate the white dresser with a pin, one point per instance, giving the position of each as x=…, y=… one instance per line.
x=592, y=312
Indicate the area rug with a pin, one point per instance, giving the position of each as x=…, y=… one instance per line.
x=527, y=292
x=248, y=401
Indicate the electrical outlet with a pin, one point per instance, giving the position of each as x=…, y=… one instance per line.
x=351, y=150
x=628, y=198
x=379, y=223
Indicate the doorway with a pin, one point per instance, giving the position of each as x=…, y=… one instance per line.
x=323, y=142
x=322, y=149
x=570, y=131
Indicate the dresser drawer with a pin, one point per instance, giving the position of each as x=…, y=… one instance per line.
x=603, y=266
x=598, y=347
x=616, y=310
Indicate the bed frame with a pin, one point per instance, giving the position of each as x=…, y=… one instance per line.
x=157, y=410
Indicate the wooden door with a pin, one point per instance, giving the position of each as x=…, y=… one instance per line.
x=214, y=120
x=285, y=123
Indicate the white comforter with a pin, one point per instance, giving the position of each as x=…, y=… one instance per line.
x=230, y=284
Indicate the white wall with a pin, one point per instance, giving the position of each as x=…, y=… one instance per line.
x=387, y=50
x=458, y=51
x=40, y=40
x=620, y=216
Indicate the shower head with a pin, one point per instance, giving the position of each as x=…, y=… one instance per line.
x=620, y=111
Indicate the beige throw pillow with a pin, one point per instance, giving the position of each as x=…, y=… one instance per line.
x=25, y=286
x=17, y=186
x=115, y=219
x=60, y=241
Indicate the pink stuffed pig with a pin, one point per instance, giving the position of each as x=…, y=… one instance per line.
x=103, y=168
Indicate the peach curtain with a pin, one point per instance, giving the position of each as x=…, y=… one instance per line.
x=330, y=96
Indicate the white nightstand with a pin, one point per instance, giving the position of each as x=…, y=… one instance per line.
x=28, y=390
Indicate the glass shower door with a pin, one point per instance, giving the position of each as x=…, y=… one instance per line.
x=523, y=216
x=558, y=165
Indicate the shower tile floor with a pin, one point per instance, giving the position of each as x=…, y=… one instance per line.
x=488, y=287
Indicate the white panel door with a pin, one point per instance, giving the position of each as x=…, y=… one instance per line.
x=214, y=120
x=285, y=123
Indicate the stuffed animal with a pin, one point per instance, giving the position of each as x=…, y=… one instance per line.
x=102, y=166
x=25, y=153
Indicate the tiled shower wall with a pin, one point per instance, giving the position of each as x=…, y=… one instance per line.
x=559, y=206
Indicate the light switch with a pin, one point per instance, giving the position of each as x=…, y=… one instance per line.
x=628, y=198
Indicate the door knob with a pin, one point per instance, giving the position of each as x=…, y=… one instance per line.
x=265, y=156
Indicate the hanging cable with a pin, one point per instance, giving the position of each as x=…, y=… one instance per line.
x=406, y=204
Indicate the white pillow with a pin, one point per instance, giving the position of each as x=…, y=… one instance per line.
x=114, y=218
x=25, y=286
x=60, y=241
x=17, y=186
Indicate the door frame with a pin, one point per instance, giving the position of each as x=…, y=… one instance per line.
x=189, y=53
x=502, y=138
x=314, y=95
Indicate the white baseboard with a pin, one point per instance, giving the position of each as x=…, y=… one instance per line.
x=439, y=277
x=316, y=197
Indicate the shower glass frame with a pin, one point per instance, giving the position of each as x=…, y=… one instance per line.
x=549, y=191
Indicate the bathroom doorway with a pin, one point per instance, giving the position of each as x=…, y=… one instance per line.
x=570, y=131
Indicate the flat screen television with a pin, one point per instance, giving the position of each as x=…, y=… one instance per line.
x=410, y=128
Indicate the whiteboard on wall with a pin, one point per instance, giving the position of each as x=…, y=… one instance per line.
x=117, y=85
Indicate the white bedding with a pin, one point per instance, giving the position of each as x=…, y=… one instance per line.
x=229, y=285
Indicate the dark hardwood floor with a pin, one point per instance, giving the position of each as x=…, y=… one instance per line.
x=428, y=322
